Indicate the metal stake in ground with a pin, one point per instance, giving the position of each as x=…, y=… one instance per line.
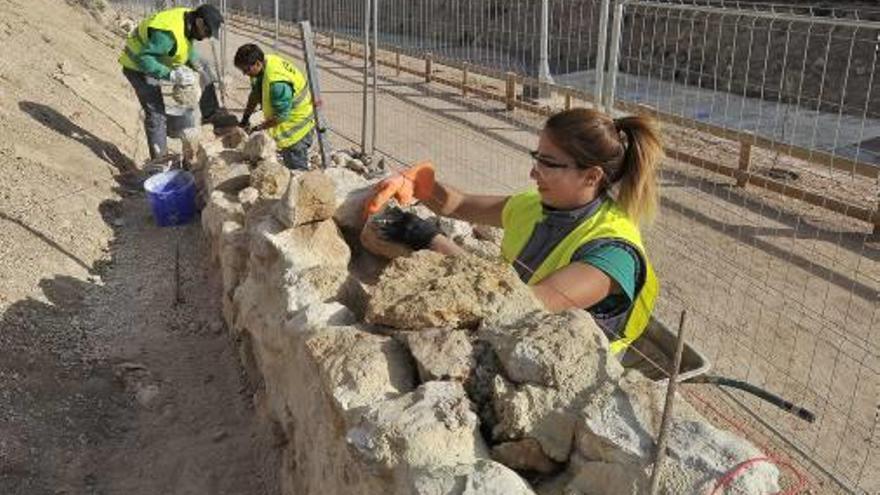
x=177, y=298
x=660, y=454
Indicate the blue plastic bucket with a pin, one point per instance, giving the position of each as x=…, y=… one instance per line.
x=172, y=197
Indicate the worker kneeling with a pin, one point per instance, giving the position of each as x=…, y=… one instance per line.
x=571, y=239
x=283, y=93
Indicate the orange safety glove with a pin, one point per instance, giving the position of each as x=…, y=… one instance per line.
x=414, y=182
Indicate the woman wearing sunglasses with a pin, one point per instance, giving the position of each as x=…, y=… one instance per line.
x=574, y=238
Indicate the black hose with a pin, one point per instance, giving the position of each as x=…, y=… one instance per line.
x=774, y=399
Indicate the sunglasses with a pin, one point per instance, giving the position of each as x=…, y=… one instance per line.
x=544, y=162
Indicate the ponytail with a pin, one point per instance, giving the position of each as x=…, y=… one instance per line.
x=637, y=193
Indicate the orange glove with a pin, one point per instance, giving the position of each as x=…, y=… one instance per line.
x=416, y=181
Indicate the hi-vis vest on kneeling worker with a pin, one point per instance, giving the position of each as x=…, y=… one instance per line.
x=170, y=20
x=301, y=120
x=523, y=211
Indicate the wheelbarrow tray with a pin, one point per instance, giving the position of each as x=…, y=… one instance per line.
x=654, y=351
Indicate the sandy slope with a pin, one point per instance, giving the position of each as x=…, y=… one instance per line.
x=106, y=385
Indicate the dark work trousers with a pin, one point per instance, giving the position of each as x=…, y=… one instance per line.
x=150, y=98
x=296, y=157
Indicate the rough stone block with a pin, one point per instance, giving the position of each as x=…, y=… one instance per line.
x=259, y=146
x=221, y=208
x=524, y=455
x=429, y=290
x=321, y=315
x=270, y=178
x=234, y=138
x=359, y=368
x=310, y=197
x=441, y=354
x=431, y=426
x=352, y=191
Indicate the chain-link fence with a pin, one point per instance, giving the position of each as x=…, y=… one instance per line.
x=770, y=197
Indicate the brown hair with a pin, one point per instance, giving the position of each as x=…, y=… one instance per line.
x=627, y=149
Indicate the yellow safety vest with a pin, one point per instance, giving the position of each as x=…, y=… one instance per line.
x=170, y=20
x=301, y=119
x=523, y=211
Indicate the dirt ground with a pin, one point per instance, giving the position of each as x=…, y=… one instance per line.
x=109, y=383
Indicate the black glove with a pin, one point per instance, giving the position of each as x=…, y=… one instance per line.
x=407, y=228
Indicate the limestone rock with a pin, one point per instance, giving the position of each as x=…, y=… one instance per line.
x=321, y=315
x=234, y=137
x=358, y=368
x=556, y=363
x=335, y=283
x=484, y=477
x=491, y=478
x=310, y=197
x=524, y=455
x=530, y=411
x=248, y=197
x=270, y=178
x=221, y=208
x=310, y=245
x=259, y=146
x=339, y=158
x=356, y=166
x=374, y=243
x=431, y=426
x=441, y=354
x=190, y=145
x=223, y=176
x=556, y=350
x=429, y=290
x=618, y=428
x=602, y=478
x=233, y=263
x=352, y=191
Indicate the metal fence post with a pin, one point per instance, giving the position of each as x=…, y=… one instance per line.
x=366, y=76
x=610, y=83
x=601, y=47
x=544, y=77
x=277, y=27
x=375, y=56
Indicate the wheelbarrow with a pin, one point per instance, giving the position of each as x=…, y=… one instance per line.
x=652, y=354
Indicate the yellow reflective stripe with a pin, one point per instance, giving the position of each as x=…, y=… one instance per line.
x=296, y=128
x=299, y=98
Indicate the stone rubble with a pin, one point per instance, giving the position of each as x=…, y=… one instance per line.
x=441, y=376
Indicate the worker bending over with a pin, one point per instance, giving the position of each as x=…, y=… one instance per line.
x=572, y=239
x=160, y=48
x=282, y=91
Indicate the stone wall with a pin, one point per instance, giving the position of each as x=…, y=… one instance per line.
x=426, y=374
